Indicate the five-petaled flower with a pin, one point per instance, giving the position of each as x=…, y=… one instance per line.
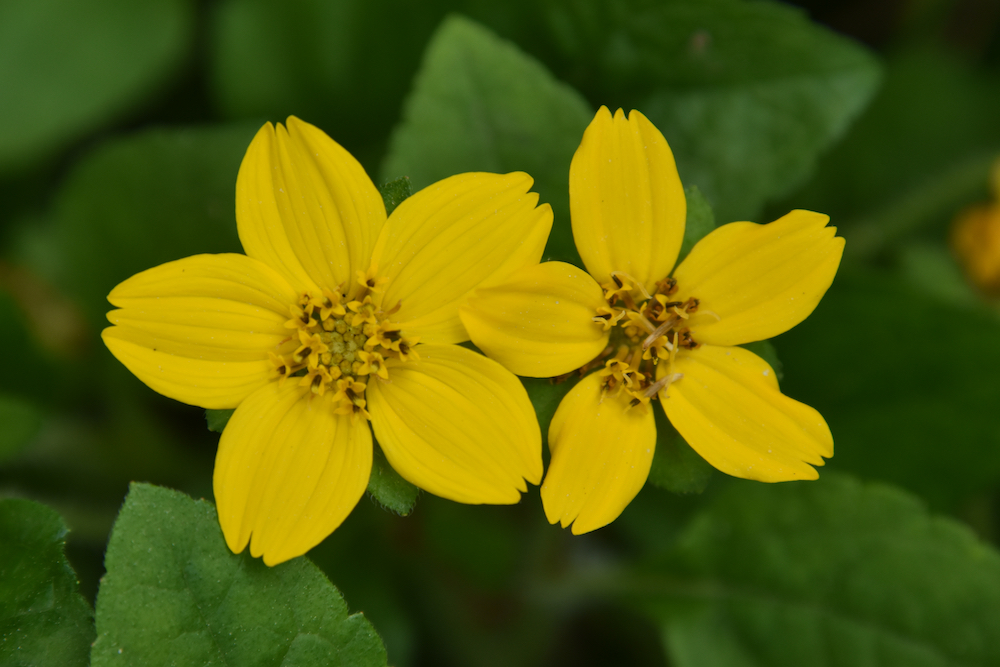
x=649, y=334
x=336, y=316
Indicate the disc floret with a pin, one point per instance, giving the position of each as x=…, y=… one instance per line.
x=645, y=330
x=339, y=344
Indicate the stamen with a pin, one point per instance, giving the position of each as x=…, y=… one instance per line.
x=635, y=283
x=655, y=388
x=646, y=324
x=659, y=331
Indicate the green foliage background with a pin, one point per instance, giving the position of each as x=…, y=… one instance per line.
x=124, y=124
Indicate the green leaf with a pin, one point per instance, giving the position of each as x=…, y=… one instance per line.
x=145, y=200
x=344, y=66
x=920, y=152
x=676, y=467
x=700, y=220
x=394, y=192
x=831, y=573
x=43, y=618
x=68, y=67
x=20, y=420
x=906, y=382
x=747, y=93
x=480, y=104
x=388, y=488
x=217, y=419
x=175, y=595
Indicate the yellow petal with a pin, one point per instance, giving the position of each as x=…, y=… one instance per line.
x=975, y=238
x=467, y=231
x=626, y=199
x=601, y=454
x=199, y=329
x=757, y=281
x=458, y=425
x=288, y=472
x=729, y=409
x=540, y=322
x=306, y=207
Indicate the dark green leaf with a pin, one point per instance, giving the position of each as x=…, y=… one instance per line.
x=19, y=422
x=700, y=220
x=43, y=618
x=676, y=467
x=394, y=192
x=747, y=93
x=906, y=382
x=142, y=201
x=175, y=595
x=388, y=488
x=479, y=104
x=67, y=67
x=831, y=573
x=217, y=419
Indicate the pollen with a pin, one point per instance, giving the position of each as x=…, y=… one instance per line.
x=646, y=330
x=339, y=346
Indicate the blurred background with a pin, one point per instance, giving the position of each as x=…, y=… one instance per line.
x=124, y=123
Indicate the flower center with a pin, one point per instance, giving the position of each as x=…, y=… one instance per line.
x=340, y=344
x=645, y=330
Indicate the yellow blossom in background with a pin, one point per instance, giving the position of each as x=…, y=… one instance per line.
x=336, y=316
x=644, y=333
x=975, y=238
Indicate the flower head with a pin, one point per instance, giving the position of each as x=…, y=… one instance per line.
x=336, y=316
x=653, y=332
x=975, y=238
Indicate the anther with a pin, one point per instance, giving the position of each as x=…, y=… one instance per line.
x=687, y=341
x=666, y=286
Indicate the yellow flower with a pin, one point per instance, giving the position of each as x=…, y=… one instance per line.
x=655, y=335
x=332, y=292
x=975, y=238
